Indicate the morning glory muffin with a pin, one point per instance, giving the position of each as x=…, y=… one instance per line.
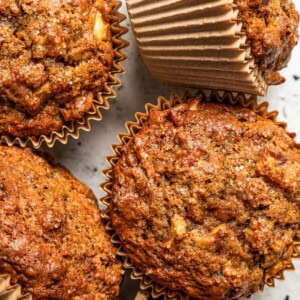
x=272, y=31
x=55, y=56
x=205, y=199
x=238, y=45
x=53, y=242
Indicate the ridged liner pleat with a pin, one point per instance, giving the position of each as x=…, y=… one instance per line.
x=142, y=295
x=9, y=292
x=101, y=102
x=250, y=102
x=196, y=43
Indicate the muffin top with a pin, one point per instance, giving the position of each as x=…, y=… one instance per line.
x=53, y=241
x=272, y=31
x=206, y=198
x=55, y=56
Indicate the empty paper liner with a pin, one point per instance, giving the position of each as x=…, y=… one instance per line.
x=9, y=292
x=196, y=43
x=100, y=102
x=157, y=290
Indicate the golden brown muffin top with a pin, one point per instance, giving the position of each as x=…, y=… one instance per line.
x=53, y=241
x=54, y=58
x=272, y=31
x=206, y=198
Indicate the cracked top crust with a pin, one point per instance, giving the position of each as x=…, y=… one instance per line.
x=52, y=239
x=55, y=56
x=272, y=31
x=206, y=198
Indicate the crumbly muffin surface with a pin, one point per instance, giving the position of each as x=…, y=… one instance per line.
x=272, y=30
x=206, y=197
x=53, y=241
x=55, y=56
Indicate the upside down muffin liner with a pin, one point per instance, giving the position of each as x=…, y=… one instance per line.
x=9, y=292
x=147, y=284
x=197, y=44
x=100, y=102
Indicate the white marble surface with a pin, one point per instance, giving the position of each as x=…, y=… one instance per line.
x=86, y=157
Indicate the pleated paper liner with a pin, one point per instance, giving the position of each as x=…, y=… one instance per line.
x=101, y=102
x=250, y=102
x=196, y=43
x=142, y=295
x=9, y=292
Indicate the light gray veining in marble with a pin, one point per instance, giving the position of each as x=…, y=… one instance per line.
x=86, y=157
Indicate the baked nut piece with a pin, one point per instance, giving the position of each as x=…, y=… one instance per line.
x=272, y=31
x=205, y=198
x=53, y=241
x=55, y=56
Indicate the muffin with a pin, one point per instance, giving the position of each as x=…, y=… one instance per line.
x=53, y=242
x=205, y=199
x=54, y=58
x=272, y=31
x=237, y=45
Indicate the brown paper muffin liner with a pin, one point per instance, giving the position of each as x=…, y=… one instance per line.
x=142, y=295
x=148, y=284
x=9, y=292
x=196, y=43
x=99, y=103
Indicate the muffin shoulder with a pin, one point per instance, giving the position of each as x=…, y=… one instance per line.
x=272, y=31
